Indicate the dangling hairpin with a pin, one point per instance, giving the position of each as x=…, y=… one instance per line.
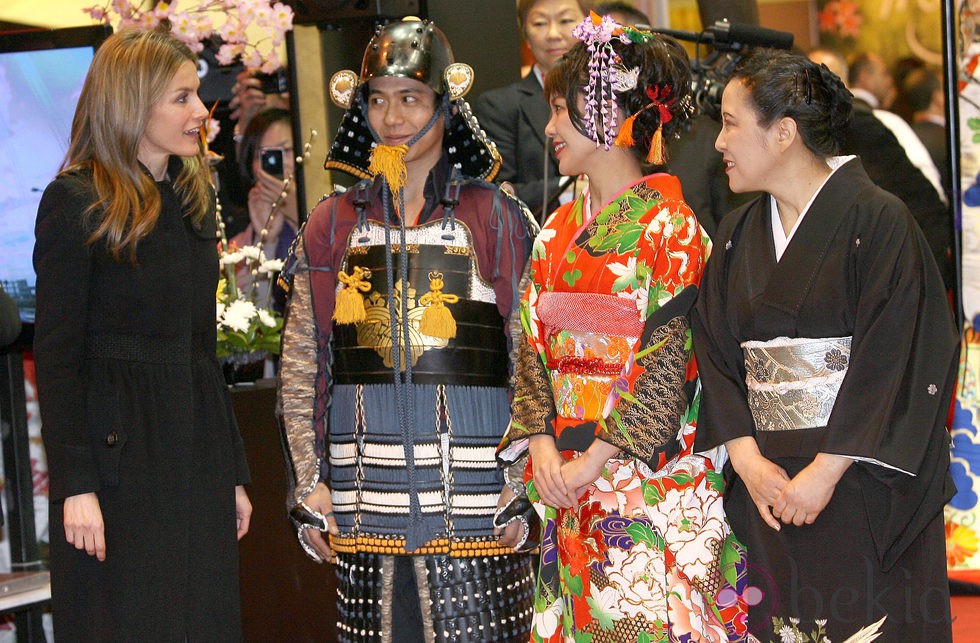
x=600, y=101
x=608, y=75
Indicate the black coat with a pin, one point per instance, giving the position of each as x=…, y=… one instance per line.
x=514, y=117
x=134, y=408
x=934, y=137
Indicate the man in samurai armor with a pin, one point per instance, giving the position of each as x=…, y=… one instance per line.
x=394, y=374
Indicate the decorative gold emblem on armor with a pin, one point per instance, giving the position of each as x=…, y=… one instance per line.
x=376, y=330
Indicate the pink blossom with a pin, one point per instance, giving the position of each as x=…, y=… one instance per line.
x=247, y=10
x=262, y=14
x=146, y=21
x=271, y=63
x=212, y=130
x=165, y=10
x=197, y=25
x=282, y=18
x=183, y=26
x=228, y=52
x=232, y=32
x=97, y=13
x=123, y=8
x=204, y=26
x=252, y=59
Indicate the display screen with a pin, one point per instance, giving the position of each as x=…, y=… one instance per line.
x=41, y=76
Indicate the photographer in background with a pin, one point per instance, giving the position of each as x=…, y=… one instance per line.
x=254, y=92
x=266, y=157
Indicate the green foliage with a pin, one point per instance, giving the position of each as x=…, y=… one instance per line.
x=731, y=554
x=644, y=534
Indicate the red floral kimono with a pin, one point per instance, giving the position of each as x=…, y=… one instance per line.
x=647, y=555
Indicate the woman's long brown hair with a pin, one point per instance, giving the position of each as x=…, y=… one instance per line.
x=129, y=74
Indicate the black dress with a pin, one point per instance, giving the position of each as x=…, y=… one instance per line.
x=134, y=407
x=857, y=266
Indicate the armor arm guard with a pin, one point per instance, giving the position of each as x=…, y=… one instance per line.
x=519, y=507
x=297, y=393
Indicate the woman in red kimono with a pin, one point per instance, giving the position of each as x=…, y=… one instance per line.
x=635, y=543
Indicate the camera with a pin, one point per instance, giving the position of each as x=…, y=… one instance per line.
x=271, y=161
x=730, y=42
x=275, y=83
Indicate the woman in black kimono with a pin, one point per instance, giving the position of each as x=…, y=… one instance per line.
x=145, y=461
x=827, y=354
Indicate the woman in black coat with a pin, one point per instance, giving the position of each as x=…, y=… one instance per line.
x=145, y=461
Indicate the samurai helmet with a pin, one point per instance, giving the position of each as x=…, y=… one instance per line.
x=416, y=49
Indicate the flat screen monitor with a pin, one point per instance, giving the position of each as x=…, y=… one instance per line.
x=41, y=77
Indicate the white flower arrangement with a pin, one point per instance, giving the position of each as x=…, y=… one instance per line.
x=244, y=327
x=247, y=326
x=229, y=22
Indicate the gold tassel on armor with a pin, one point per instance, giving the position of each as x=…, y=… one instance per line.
x=437, y=320
x=389, y=161
x=349, y=308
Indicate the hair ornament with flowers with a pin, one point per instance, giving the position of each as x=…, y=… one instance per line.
x=600, y=102
x=608, y=75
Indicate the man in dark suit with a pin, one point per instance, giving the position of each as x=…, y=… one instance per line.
x=923, y=89
x=888, y=165
x=514, y=116
x=9, y=320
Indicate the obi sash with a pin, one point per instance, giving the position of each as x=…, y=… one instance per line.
x=590, y=337
x=793, y=382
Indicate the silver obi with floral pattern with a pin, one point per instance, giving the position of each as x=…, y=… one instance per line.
x=793, y=382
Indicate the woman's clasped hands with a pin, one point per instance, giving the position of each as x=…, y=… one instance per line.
x=558, y=482
x=798, y=500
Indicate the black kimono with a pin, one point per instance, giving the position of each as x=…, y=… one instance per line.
x=857, y=266
x=134, y=408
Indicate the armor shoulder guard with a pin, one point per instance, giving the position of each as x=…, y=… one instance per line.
x=523, y=214
x=292, y=264
x=527, y=218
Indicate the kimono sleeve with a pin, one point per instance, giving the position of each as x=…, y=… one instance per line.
x=903, y=351
x=649, y=404
x=892, y=406
x=533, y=407
x=724, y=413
